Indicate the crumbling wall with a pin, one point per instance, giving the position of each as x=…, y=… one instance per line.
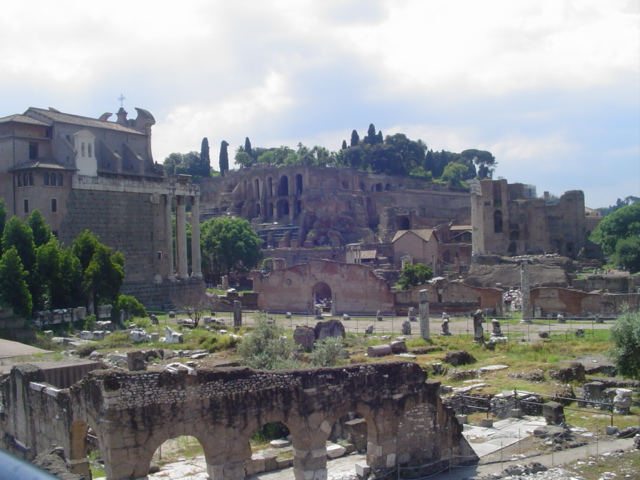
x=133, y=413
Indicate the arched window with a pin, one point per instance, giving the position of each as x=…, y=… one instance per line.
x=45, y=176
x=497, y=221
x=30, y=178
x=53, y=179
x=60, y=179
x=82, y=149
x=89, y=150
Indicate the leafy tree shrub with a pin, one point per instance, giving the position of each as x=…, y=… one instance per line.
x=328, y=352
x=413, y=275
x=131, y=306
x=90, y=322
x=625, y=335
x=266, y=348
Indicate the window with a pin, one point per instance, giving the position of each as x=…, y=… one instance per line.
x=53, y=179
x=54, y=205
x=25, y=179
x=45, y=177
x=82, y=149
x=33, y=150
x=89, y=150
x=60, y=179
x=26, y=206
x=31, y=178
x=159, y=255
x=19, y=180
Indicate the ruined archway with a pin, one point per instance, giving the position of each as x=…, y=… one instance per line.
x=176, y=449
x=283, y=187
x=283, y=208
x=298, y=184
x=497, y=221
x=321, y=292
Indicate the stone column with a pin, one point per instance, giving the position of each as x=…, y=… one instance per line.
x=310, y=462
x=196, y=263
x=181, y=238
x=237, y=313
x=526, y=298
x=169, y=242
x=424, y=315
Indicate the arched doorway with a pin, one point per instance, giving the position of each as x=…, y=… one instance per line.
x=283, y=188
x=403, y=223
x=322, y=296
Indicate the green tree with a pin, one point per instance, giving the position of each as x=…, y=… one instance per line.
x=621, y=224
x=266, y=348
x=412, y=275
x=48, y=276
x=224, y=157
x=18, y=234
x=3, y=219
x=102, y=271
x=247, y=147
x=14, y=291
x=68, y=292
x=625, y=336
x=454, y=174
x=627, y=254
x=344, y=145
x=485, y=161
x=131, y=307
x=355, y=138
x=205, y=159
x=229, y=245
x=40, y=228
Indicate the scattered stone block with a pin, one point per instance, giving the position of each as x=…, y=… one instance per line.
x=398, y=347
x=280, y=443
x=458, y=357
x=329, y=328
x=135, y=361
x=335, y=451
x=543, y=334
x=369, y=329
x=362, y=470
x=553, y=413
x=379, y=350
x=406, y=327
x=486, y=423
x=304, y=337
x=462, y=419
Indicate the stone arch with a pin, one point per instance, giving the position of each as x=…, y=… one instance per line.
x=256, y=186
x=321, y=290
x=148, y=448
x=258, y=210
x=403, y=222
x=270, y=186
x=514, y=235
x=298, y=184
x=497, y=221
x=513, y=248
x=283, y=186
x=283, y=208
x=378, y=187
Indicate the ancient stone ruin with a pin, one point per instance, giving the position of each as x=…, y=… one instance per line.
x=133, y=413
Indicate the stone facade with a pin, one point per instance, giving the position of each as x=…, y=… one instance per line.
x=552, y=301
x=330, y=206
x=508, y=221
x=349, y=288
x=133, y=413
x=86, y=173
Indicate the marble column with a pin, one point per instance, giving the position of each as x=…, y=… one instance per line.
x=196, y=263
x=181, y=238
x=424, y=315
x=169, y=243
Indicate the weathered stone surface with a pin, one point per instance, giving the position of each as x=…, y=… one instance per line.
x=379, y=350
x=458, y=357
x=399, y=346
x=573, y=373
x=53, y=461
x=304, y=337
x=329, y=328
x=136, y=361
x=134, y=412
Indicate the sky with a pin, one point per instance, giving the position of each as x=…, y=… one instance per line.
x=550, y=87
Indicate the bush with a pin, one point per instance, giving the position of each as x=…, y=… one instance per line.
x=90, y=322
x=131, y=306
x=328, y=352
x=625, y=335
x=266, y=348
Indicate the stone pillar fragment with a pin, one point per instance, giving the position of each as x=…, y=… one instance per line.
x=181, y=238
x=196, y=262
x=424, y=315
x=237, y=313
x=169, y=241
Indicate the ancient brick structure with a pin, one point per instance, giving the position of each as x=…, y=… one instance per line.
x=330, y=206
x=133, y=413
x=91, y=173
x=347, y=287
x=508, y=220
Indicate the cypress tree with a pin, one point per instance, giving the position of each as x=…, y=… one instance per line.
x=224, y=157
x=355, y=138
x=205, y=159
